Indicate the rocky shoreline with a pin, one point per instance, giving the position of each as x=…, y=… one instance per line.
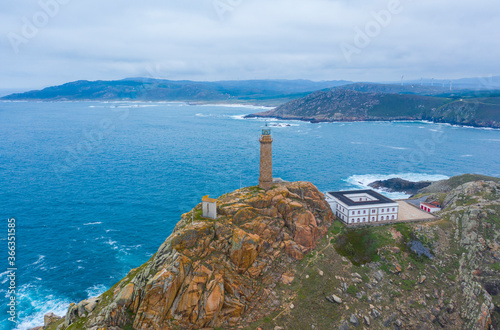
x=317, y=120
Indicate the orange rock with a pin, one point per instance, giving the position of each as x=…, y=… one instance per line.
x=287, y=278
x=243, y=249
x=293, y=250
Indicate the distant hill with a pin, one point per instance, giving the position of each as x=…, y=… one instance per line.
x=364, y=102
x=270, y=92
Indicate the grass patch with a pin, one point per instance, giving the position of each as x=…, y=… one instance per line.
x=396, y=294
x=407, y=285
x=337, y=227
x=359, y=245
x=385, y=268
x=54, y=325
x=495, y=266
x=464, y=200
x=352, y=290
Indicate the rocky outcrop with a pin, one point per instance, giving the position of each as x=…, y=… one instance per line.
x=217, y=273
x=400, y=185
x=474, y=210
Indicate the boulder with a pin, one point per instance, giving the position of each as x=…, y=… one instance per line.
x=379, y=275
x=354, y=320
x=375, y=313
x=125, y=295
x=334, y=298
x=49, y=319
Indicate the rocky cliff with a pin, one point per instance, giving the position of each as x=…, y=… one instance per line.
x=215, y=273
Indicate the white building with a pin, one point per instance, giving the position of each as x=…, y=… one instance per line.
x=430, y=207
x=362, y=206
x=209, y=207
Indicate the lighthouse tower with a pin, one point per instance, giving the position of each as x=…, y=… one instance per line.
x=266, y=159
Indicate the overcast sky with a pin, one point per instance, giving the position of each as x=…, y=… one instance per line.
x=50, y=42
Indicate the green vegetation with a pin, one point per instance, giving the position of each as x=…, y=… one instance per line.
x=464, y=178
x=407, y=285
x=336, y=228
x=359, y=245
x=352, y=290
x=464, y=200
x=54, y=325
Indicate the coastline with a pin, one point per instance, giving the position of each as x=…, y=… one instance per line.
x=398, y=120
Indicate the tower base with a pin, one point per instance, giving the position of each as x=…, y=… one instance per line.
x=265, y=184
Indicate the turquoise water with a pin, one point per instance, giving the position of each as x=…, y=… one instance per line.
x=97, y=187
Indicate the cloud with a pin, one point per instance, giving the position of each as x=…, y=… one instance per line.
x=243, y=39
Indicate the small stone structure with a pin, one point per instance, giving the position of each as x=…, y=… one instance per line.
x=209, y=207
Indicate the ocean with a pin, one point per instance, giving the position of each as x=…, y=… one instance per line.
x=95, y=187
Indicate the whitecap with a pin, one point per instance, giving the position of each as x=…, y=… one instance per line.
x=110, y=242
x=96, y=290
x=466, y=156
x=239, y=117
x=235, y=105
x=41, y=302
x=92, y=223
x=393, y=147
x=40, y=259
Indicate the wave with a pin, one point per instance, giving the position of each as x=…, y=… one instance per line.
x=92, y=223
x=363, y=181
x=236, y=105
x=466, y=156
x=493, y=140
x=96, y=290
x=34, y=302
x=393, y=147
x=239, y=117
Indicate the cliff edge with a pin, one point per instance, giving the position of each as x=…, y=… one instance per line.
x=215, y=273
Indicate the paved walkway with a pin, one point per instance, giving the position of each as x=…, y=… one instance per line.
x=408, y=212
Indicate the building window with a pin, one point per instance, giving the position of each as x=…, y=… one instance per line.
x=364, y=211
x=393, y=209
x=364, y=219
x=359, y=212
x=373, y=211
x=393, y=217
x=382, y=218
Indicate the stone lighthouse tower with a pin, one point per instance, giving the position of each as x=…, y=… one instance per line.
x=266, y=159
